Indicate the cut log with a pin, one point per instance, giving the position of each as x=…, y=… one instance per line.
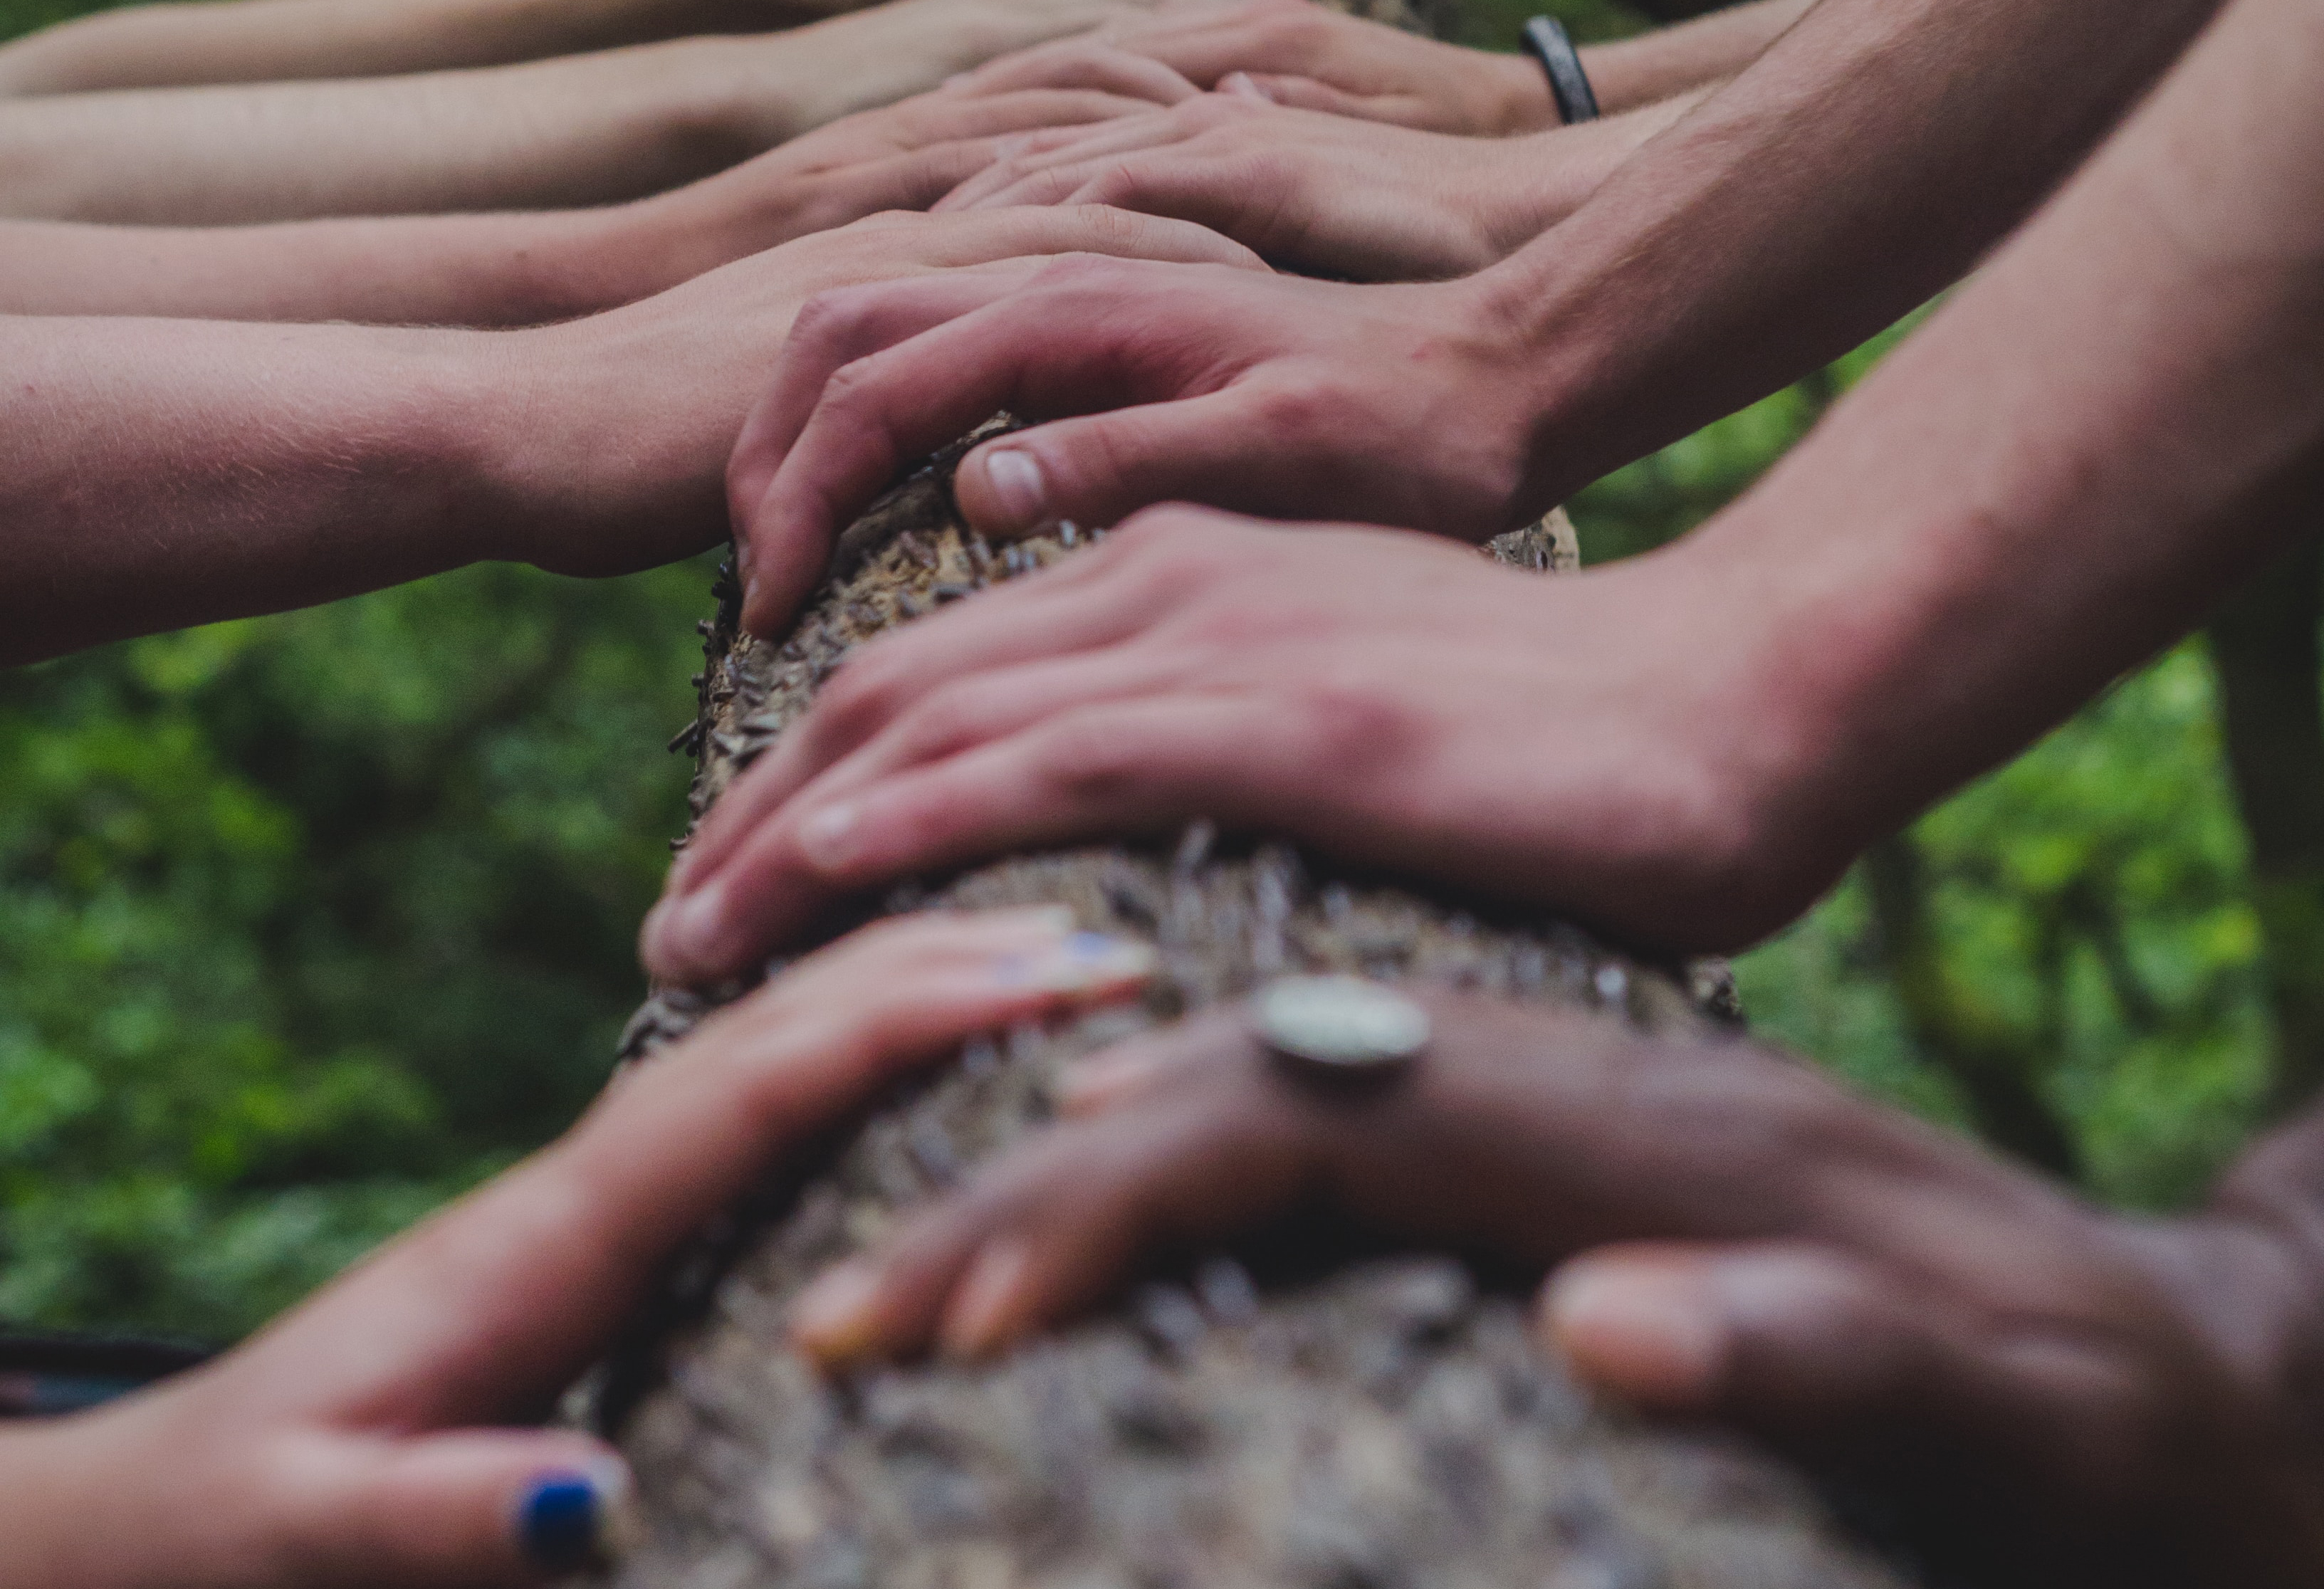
x=1314, y=1415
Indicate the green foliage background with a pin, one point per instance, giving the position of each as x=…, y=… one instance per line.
x=308, y=922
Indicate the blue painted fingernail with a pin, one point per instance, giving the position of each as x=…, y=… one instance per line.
x=560, y=1521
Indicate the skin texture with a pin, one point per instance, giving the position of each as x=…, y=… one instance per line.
x=371, y=1436
x=262, y=41
x=1868, y=156
x=162, y=473
x=2087, y=446
x=576, y=130
x=1298, y=54
x=1731, y=1235
x=1321, y=193
x=528, y=268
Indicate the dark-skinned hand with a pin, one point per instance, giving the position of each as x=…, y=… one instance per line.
x=1727, y=1232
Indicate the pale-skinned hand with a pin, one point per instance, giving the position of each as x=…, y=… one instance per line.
x=1731, y=1236
x=621, y=453
x=1319, y=193
x=1601, y=744
x=1301, y=54
x=1406, y=405
x=376, y=1435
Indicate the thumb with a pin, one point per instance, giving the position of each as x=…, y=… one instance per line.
x=1100, y=469
x=1792, y=1337
x=474, y=1506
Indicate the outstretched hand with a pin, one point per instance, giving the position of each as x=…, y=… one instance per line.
x=1732, y=1234
x=374, y=1436
x=1607, y=744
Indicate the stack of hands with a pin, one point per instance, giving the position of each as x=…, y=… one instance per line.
x=293, y=313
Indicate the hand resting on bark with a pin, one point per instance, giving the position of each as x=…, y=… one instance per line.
x=376, y=1434
x=1727, y=1232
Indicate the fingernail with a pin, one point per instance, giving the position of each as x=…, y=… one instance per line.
x=1243, y=85
x=825, y=838
x=568, y=1518
x=1015, y=477
x=1652, y=1333
x=1081, y=962
x=833, y=1321
x=984, y=1309
x=689, y=929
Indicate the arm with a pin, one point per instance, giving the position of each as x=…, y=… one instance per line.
x=373, y=1435
x=2079, y=453
x=533, y=267
x=1865, y=159
x=161, y=473
x=582, y=130
x=2094, y=1400
x=155, y=46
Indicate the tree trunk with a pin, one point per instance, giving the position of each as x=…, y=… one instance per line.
x=1305, y=1414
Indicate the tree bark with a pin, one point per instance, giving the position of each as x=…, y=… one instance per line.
x=1303, y=1412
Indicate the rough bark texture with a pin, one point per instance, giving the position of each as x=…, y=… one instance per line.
x=1302, y=1415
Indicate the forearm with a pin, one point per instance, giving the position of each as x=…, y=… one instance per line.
x=1634, y=72
x=1861, y=164
x=2083, y=451
x=1526, y=184
x=157, y=472
x=566, y=134
x=476, y=271
x=275, y=41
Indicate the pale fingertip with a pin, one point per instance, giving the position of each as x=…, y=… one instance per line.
x=836, y=1319
x=984, y=1311
x=685, y=934
x=1243, y=85
x=1094, y=1085
x=1651, y=1332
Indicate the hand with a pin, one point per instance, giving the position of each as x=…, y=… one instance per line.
x=1403, y=405
x=612, y=456
x=901, y=157
x=1755, y=1244
x=1324, y=194
x=1319, y=193
x=374, y=1437
x=1604, y=744
x=1297, y=53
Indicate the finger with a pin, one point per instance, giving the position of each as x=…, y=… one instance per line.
x=1091, y=601
x=1820, y=1348
x=496, y=1302
x=737, y=905
x=470, y=1508
x=1057, y=1224
x=1013, y=156
x=873, y=379
x=1079, y=64
x=1239, y=450
x=779, y=557
x=1309, y=94
x=1113, y=768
